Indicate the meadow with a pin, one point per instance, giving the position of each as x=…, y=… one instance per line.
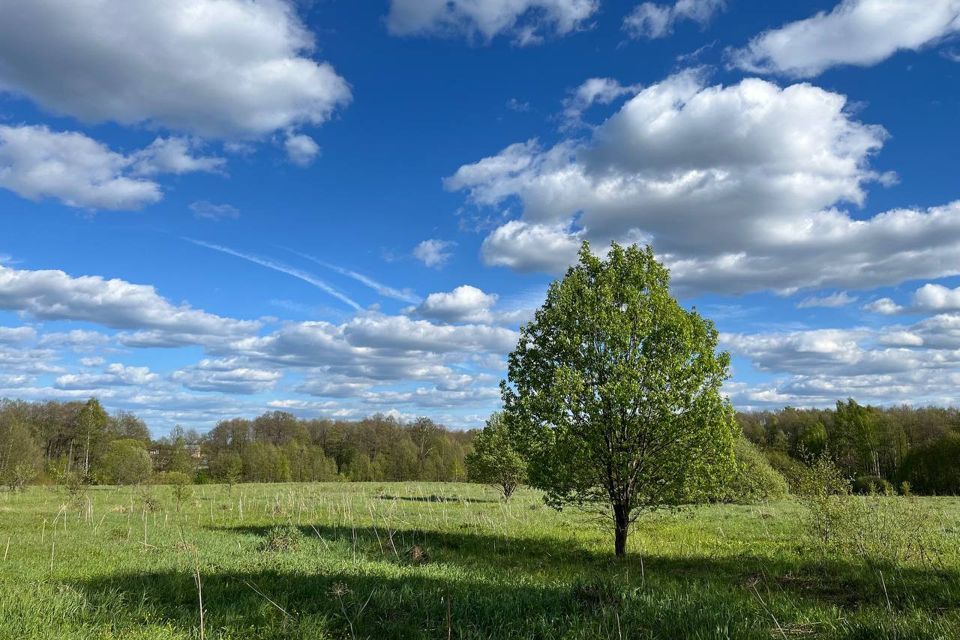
x=422, y=560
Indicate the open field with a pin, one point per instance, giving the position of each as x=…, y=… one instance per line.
x=384, y=560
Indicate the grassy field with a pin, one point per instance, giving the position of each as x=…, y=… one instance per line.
x=405, y=560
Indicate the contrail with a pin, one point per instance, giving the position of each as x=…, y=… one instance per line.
x=404, y=295
x=282, y=268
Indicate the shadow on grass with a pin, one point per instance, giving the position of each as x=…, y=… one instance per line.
x=439, y=499
x=842, y=583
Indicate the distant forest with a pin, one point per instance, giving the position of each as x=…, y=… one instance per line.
x=58, y=442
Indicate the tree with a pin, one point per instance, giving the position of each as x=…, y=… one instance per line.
x=125, y=462
x=614, y=391
x=20, y=456
x=92, y=423
x=494, y=460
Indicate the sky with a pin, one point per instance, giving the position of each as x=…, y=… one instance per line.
x=216, y=208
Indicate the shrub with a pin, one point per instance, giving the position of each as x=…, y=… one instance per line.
x=753, y=478
x=872, y=485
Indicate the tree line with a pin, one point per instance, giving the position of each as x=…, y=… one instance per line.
x=876, y=446
x=58, y=442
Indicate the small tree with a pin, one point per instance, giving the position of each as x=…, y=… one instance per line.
x=614, y=391
x=494, y=459
x=125, y=462
x=19, y=455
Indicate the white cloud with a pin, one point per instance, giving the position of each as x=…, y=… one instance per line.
x=114, y=374
x=936, y=297
x=855, y=32
x=464, y=304
x=531, y=247
x=834, y=300
x=526, y=21
x=38, y=163
x=55, y=295
x=302, y=150
x=917, y=364
x=173, y=155
x=210, y=211
x=883, y=306
x=226, y=375
x=216, y=68
x=739, y=188
x=651, y=20
x=590, y=92
x=10, y=335
x=434, y=253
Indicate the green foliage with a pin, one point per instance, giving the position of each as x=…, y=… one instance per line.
x=125, y=462
x=19, y=455
x=753, y=479
x=494, y=460
x=614, y=391
x=934, y=468
x=792, y=470
x=872, y=485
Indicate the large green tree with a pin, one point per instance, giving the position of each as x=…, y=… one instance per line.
x=614, y=391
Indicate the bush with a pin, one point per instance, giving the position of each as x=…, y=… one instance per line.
x=932, y=468
x=753, y=479
x=872, y=485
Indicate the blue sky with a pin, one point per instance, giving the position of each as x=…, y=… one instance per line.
x=213, y=208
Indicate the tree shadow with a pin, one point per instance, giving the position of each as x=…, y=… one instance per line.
x=815, y=578
x=435, y=498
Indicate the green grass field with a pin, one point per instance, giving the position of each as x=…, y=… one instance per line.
x=406, y=560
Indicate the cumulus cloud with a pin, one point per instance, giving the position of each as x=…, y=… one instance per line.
x=525, y=21
x=11, y=335
x=37, y=163
x=834, y=300
x=115, y=303
x=855, y=32
x=114, y=374
x=226, y=375
x=883, y=306
x=739, y=188
x=302, y=150
x=434, y=253
x=936, y=297
x=215, y=68
x=919, y=363
x=652, y=20
x=173, y=155
x=464, y=304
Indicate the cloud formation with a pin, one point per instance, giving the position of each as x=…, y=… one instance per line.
x=652, y=20
x=739, y=188
x=855, y=32
x=525, y=21
x=250, y=70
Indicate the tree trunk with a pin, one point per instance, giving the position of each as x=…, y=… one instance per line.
x=621, y=517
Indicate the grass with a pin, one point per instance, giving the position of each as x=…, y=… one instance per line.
x=408, y=560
